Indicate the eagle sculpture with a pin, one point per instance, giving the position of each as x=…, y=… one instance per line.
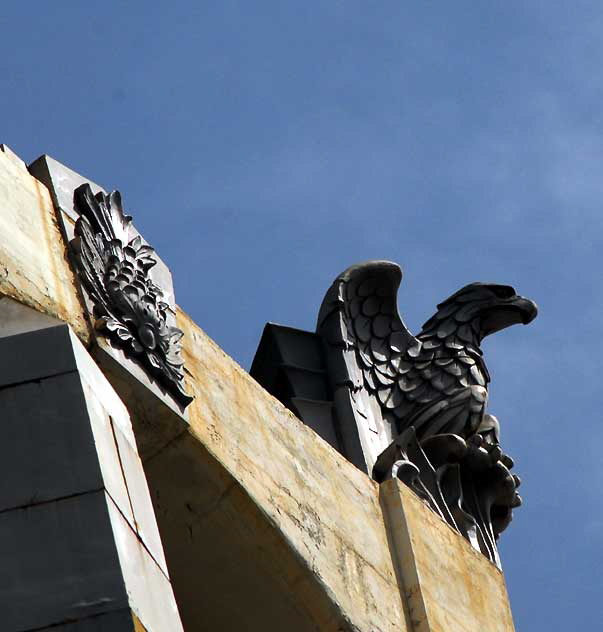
x=426, y=394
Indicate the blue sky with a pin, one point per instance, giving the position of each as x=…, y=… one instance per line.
x=263, y=147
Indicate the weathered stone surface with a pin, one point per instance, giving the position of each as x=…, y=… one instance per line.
x=450, y=587
x=34, y=268
x=311, y=501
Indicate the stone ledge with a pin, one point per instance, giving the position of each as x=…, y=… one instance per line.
x=450, y=587
x=34, y=268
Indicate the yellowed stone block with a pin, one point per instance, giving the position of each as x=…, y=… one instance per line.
x=34, y=268
x=327, y=510
x=450, y=587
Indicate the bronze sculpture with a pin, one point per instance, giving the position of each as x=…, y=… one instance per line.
x=425, y=393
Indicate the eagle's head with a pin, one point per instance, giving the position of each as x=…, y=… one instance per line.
x=480, y=309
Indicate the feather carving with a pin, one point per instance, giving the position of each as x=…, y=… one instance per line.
x=435, y=381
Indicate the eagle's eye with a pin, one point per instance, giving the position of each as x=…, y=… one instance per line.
x=503, y=291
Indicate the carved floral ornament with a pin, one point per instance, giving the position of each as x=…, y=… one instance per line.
x=128, y=307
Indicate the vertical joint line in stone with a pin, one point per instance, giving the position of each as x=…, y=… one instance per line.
x=400, y=544
x=123, y=475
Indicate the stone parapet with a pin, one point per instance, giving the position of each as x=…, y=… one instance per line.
x=447, y=584
x=263, y=524
x=34, y=266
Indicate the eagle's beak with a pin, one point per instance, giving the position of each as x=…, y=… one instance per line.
x=527, y=309
x=506, y=313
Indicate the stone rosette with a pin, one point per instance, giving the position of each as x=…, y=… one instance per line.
x=128, y=306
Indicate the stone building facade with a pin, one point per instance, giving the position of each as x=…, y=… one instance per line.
x=125, y=508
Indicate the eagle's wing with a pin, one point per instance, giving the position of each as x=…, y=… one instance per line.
x=369, y=345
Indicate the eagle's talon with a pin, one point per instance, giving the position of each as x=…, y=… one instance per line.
x=477, y=440
x=495, y=453
x=507, y=461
